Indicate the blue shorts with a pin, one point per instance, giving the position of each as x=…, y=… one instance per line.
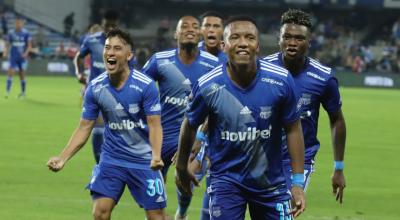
x=146, y=186
x=18, y=64
x=167, y=153
x=308, y=170
x=229, y=201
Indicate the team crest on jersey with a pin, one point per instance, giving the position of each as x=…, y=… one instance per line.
x=265, y=112
x=155, y=108
x=133, y=108
x=305, y=99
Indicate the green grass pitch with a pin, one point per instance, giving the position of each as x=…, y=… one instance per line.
x=37, y=127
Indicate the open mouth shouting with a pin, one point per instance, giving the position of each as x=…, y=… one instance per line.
x=111, y=63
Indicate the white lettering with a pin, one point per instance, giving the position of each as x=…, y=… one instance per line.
x=250, y=135
x=126, y=125
x=176, y=101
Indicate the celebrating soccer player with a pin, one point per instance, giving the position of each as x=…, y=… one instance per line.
x=176, y=70
x=248, y=102
x=131, y=152
x=317, y=85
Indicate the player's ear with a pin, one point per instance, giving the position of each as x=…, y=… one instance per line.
x=130, y=55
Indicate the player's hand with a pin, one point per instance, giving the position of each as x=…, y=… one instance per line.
x=338, y=185
x=195, y=150
x=55, y=164
x=82, y=78
x=184, y=180
x=156, y=164
x=298, y=201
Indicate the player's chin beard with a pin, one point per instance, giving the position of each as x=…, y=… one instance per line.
x=188, y=47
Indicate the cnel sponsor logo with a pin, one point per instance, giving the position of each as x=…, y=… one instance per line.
x=251, y=134
x=126, y=125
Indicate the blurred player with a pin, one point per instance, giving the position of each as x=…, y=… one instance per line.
x=130, y=104
x=245, y=132
x=317, y=85
x=19, y=44
x=93, y=45
x=175, y=71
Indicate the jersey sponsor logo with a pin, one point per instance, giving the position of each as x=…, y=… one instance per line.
x=265, y=112
x=99, y=65
x=133, y=108
x=271, y=81
x=18, y=44
x=135, y=87
x=155, y=108
x=313, y=75
x=251, y=134
x=245, y=111
x=176, y=101
x=126, y=125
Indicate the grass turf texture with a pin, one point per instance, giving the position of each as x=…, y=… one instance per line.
x=37, y=127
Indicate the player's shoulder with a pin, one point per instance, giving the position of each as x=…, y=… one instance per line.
x=269, y=69
x=165, y=54
x=99, y=79
x=141, y=78
x=93, y=37
x=271, y=58
x=318, y=70
x=214, y=75
x=208, y=57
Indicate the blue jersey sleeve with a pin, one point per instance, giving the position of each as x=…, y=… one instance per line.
x=85, y=48
x=150, y=68
x=291, y=108
x=151, y=102
x=90, y=110
x=331, y=100
x=197, y=109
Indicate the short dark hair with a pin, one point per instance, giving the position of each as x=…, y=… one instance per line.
x=240, y=18
x=116, y=32
x=111, y=15
x=298, y=17
x=211, y=14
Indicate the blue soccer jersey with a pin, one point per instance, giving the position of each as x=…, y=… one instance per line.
x=316, y=85
x=245, y=125
x=94, y=45
x=221, y=55
x=126, y=141
x=175, y=82
x=18, y=41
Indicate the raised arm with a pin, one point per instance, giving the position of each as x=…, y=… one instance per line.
x=76, y=142
x=295, y=144
x=155, y=138
x=338, y=132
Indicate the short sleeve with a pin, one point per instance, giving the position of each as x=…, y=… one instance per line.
x=197, y=109
x=150, y=68
x=90, y=110
x=151, y=100
x=331, y=100
x=85, y=48
x=291, y=108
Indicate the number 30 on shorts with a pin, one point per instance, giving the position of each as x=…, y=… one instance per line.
x=155, y=186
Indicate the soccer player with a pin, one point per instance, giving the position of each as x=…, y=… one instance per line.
x=19, y=44
x=130, y=104
x=93, y=45
x=176, y=70
x=245, y=132
x=212, y=29
x=317, y=85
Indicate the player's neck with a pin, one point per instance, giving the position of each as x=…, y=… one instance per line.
x=118, y=80
x=295, y=66
x=242, y=75
x=187, y=54
x=213, y=50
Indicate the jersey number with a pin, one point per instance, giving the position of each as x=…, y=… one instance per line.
x=155, y=186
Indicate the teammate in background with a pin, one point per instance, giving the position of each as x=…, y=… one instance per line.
x=130, y=104
x=245, y=131
x=93, y=45
x=19, y=44
x=176, y=70
x=212, y=28
x=316, y=85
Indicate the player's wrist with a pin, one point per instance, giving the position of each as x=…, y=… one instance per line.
x=201, y=136
x=338, y=165
x=298, y=180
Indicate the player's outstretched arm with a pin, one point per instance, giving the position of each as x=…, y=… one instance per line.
x=183, y=177
x=295, y=144
x=78, y=64
x=338, y=131
x=76, y=142
x=155, y=138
